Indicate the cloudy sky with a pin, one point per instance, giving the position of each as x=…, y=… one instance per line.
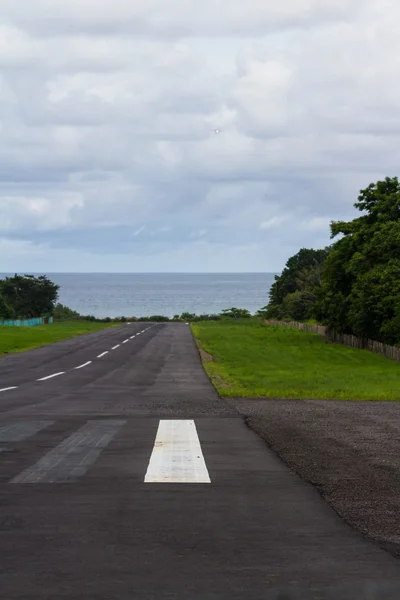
x=109, y=156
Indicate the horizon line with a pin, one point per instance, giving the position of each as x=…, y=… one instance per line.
x=143, y=272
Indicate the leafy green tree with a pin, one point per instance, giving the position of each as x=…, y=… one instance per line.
x=295, y=306
x=262, y=313
x=301, y=276
x=360, y=291
x=187, y=316
x=26, y=296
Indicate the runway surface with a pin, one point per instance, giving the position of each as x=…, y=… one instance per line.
x=123, y=475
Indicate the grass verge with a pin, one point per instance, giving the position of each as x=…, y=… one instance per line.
x=19, y=339
x=256, y=360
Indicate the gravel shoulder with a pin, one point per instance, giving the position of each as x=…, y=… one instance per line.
x=349, y=450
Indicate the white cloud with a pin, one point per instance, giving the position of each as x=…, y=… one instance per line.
x=28, y=213
x=272, y=223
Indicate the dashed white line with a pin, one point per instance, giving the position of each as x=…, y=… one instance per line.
x=85, y=365
x=9, y=389
x=51, y=376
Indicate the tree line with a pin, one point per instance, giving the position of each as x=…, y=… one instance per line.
x=64, y=313
x=352, y=286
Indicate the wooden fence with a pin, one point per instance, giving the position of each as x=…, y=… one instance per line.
x=303, y=326
x=392, y=352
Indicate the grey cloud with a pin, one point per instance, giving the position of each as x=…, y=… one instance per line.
x=177, y=18
x=103, y=135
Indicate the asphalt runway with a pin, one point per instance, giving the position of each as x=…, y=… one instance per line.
x=123, y=475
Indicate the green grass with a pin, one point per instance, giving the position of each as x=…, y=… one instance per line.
x=19, y=339
x=255, y=360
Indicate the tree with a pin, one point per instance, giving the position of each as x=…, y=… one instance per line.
x=295, y=291
x=187, y=316
x=360, y=290
x=262, y=313
x=26, y=296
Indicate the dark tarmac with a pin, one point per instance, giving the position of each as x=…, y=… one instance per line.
x=78, y=521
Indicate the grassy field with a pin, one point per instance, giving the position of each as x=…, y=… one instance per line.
x=255, y=360
x=18, y=339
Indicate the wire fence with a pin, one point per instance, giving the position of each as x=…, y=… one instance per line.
x=392, y=352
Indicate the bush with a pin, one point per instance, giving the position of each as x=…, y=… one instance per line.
x=158, y=318
x=63, y=313
x=236, y=313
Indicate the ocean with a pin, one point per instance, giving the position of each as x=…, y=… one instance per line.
x=145, y=294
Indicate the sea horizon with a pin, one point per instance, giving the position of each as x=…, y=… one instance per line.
x=140, y=294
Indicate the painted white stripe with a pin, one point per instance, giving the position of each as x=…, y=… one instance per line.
x=125, y=341
x=72, y=458
x=133, y=336
x=177, y=455
x=9, y=389
x=85, y=365
x=101, y=355
x=51, y=376
x=115, y=347
x=22, y=430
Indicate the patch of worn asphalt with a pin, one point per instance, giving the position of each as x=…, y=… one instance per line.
x=78, y=521
x=349, y=450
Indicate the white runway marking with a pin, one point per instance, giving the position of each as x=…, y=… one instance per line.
x=9, y=389
x=133, y=336
x=51, y=376
x=177, y=455
x=72, y=458
x=85, y=365
x=115, y=347
x=125, y=341
x=101, y=355
x=19, y=431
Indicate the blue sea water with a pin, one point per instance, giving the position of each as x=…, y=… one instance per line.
x=145, y=294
